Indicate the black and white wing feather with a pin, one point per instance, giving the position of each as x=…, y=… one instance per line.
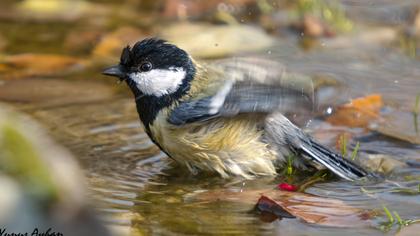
x=251, y=86
x=238, y=97
x=253, y=90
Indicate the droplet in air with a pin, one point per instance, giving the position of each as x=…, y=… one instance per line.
x=329, y=110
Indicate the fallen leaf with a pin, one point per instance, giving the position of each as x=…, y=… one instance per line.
x=309, y=208
x=28, y=65
x=358, y=113
x=267, y=205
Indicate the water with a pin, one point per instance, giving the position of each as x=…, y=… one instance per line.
x=134, y=186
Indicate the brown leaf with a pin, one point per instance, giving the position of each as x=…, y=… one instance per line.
x=309, y=208
x=358, y=113
x=28, y=65
x=318, y=210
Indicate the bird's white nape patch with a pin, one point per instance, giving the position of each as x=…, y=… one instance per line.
x=159, y=82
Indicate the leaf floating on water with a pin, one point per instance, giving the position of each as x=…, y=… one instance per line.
x=320, y=210
x=28, y=65
x=309, y=208
x=266, y=204
x=359, y=112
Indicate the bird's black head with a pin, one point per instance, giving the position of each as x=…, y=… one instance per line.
x=157, y=72
x=154, y=67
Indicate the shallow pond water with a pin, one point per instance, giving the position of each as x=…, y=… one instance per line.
x=135, y=187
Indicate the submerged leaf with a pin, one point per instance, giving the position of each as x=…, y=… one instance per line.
x=309, y=208
x=359, y=112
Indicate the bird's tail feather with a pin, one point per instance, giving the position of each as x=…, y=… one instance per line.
x=333, y=161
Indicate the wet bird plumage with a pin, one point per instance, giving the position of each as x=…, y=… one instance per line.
x=224, y=117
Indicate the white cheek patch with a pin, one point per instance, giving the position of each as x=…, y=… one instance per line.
x=159, y=82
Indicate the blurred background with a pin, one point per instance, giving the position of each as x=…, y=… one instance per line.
x=74, y=158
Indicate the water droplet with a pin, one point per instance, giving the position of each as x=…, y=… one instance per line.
x=329, y=110
x=308, y=123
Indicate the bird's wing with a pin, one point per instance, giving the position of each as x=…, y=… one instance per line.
x=281, y=132
x=251, y=89
x=248, y=88
x=266, y=72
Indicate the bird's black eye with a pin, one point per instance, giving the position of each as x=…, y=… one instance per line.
x=146, y=66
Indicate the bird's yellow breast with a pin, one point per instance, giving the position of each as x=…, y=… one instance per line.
x=229, y=146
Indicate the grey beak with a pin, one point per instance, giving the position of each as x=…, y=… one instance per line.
x=115, y=71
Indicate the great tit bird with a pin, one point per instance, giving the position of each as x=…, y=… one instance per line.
x=224, y=117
